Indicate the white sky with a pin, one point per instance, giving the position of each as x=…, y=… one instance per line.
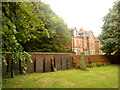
x=86, y=14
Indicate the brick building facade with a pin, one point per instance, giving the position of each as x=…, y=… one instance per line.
x=84, y=42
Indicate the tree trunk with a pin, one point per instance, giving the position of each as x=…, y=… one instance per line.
x=12, y=71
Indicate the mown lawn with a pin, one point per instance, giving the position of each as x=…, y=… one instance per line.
x=96, y=77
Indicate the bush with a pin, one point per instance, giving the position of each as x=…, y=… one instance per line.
x=89, y=65
x=95, y=64
x=98, y=64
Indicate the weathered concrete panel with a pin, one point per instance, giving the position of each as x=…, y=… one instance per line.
x=58, y=62
x=47, y=64
x=39, y=64
x=64, y=62
x=30, y=66
x=70, y=63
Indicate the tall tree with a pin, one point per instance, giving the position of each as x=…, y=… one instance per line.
x=32, y=26
x=19, y=25
x=57, y=30
x=110, y=36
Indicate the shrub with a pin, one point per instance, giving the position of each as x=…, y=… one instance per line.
x=89, y=65
x=98, y=64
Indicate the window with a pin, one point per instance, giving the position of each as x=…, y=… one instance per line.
x=75, y=42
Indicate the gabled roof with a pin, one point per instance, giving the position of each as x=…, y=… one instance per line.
x=83, y=33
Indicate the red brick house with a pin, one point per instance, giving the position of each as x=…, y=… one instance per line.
x=84, y=42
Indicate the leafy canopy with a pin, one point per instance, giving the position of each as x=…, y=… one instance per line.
x=110, y=36
x=32, y=26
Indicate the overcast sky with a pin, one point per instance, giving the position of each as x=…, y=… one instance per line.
x=86, y=14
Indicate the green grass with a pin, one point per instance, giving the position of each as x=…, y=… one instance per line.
x=96, y=77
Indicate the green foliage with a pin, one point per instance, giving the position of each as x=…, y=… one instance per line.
x=90, y=65
x=111, y=31
x=57, y=31
x=98, y=64
x=32, y=26
x=80, y=64
x=17, y=27
x=77, y=65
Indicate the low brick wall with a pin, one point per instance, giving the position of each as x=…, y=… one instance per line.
x=93, y=58
x=61, y=60
x=47, y=62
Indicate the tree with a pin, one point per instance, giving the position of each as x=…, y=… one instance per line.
x=110, y=35
x=19, y=21
x=31, y=26
x=57, y=30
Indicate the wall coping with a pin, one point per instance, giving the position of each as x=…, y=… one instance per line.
x=47, y=53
